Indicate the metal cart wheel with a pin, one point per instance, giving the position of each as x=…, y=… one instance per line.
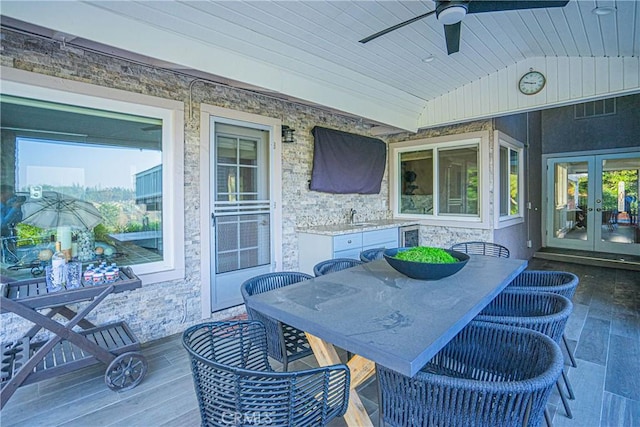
x=126, y=371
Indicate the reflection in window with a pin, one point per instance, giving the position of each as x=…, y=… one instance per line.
x=458, y=181
x=110, y=160
x=509, y=181
x=237, y=168
x=416, y=181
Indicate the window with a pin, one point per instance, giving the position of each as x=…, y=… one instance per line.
x=440, y=178
x=108, y=156
x=601, y=107
x=458, y=183
x=509, y=178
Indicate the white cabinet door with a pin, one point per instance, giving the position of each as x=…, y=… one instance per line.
x=387, y=238
x=314, y=248
x=345, y=242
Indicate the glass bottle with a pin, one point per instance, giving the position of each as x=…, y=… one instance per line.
x=58, y=261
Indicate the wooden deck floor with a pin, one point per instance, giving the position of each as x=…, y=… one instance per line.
x=604, y=330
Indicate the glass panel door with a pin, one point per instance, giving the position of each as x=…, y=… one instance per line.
x=593, y=203
x=241, y=210
x=569, y=208
x=617, y=200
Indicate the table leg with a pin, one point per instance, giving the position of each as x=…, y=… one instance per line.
x=360, y=369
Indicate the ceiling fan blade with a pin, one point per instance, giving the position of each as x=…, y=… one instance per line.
x=395, y=27
x=452, y=35
x=480, y=6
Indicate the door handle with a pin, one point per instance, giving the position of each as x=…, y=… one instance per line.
x=598, y=210
x=590, y=209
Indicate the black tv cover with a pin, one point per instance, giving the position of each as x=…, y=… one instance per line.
x=347, y=163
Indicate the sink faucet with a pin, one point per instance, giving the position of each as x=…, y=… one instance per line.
x=352, y=214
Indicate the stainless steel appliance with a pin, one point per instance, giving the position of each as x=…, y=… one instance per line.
x=409, y=235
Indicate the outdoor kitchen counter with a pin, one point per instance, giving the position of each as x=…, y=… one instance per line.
x=337, y=229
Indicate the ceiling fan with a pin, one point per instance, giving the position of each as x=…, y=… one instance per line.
x=451, y=13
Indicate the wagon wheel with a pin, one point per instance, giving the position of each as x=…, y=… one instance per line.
x=126, y=371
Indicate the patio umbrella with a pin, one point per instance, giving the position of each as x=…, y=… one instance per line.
x=54, y=209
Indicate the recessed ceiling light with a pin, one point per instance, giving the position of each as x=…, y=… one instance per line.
x=603, y=10
x=428, y=58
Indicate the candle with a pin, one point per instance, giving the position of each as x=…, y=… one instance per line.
x=64, y=237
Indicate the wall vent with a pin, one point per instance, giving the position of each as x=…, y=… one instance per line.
x=601, y=107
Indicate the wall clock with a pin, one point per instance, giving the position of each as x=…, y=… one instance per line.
x=531, y=82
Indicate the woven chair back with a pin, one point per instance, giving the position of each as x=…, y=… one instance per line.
x=541, y=311
x=235, y=384
x=488, y=375
x=371, y=254
x=285, y=343
x=558, y=282
x=482, y=248
x=333, y=265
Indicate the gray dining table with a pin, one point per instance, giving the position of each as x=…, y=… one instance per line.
x=382, y=316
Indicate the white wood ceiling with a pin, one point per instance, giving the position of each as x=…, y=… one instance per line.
x=310, y=49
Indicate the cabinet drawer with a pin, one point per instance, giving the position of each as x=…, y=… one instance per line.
x=347, y=241
x=380, y=238
x=387, y=245
x=349, y=253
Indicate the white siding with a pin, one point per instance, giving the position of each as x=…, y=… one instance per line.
x=569, y=80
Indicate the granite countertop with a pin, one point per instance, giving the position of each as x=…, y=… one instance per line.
x=336, y=229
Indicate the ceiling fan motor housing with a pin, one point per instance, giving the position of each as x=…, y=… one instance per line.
x=451, y=12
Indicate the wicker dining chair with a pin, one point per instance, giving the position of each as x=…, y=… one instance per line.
x=558, y=282
x=487, y=375
x=482, y=248
x=333, y=265
x=369, y=255
x=285, y=343
x=540, y=311
x=235, y=385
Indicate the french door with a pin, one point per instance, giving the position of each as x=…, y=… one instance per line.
x=592, y=203
x=241, y=209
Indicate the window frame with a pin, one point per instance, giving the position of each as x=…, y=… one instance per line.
x=512, y=144
x=481, y=140
x=54, y=89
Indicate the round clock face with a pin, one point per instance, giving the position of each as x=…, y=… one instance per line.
x=531, y=83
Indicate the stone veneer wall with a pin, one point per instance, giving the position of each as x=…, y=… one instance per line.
x=162, y=309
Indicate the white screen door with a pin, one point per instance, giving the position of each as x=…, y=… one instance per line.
x=241, y=209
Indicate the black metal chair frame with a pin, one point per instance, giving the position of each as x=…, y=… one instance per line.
x=286, y=343
x=482, y=248
x=333, y=265
x=235, y=384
